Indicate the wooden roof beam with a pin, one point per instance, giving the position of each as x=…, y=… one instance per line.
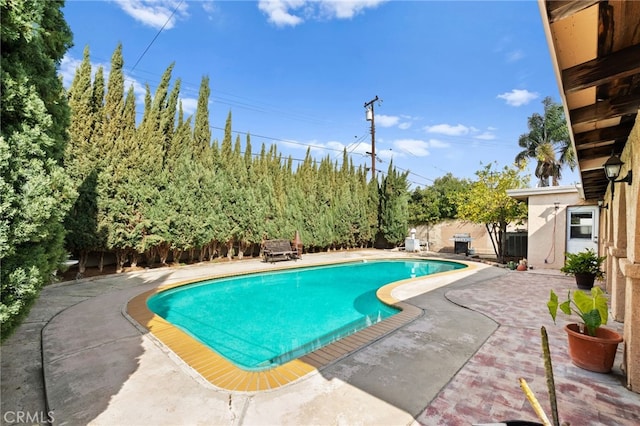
x=620, y=64
x=606, y=134
x=603, y=152
x=616, y=107
x=557, y=10
x=594, y=163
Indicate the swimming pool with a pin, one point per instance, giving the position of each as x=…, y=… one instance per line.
x=262, y=320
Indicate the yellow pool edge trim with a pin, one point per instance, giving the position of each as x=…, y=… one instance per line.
x=223, y=374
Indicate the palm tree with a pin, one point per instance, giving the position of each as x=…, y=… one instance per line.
x=548, y=142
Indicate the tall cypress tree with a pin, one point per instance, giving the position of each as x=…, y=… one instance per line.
x=36, y=190
x=394, y=212
x=212, y=189
x=262, y=181
x=344, y=208
x=306, y=197
x=177, y=202
x=154, y=137
x=228, y=196
x=115, y=204
x=80, y=162
x=201, y=129
x=206, y=203
x=113, y=106
x=226, y=149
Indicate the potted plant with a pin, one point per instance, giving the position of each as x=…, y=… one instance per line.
x=585, y=266
x=522, y=265
x=591, y=346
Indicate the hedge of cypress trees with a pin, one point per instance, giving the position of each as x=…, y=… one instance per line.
x=164, y=190
x=35, y=190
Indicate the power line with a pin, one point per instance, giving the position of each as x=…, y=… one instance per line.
x=272, y=138
x=319, y=147
x=325, y=148
x=186, y=90
x=154, y=39
x=280, y=140
x=353, y=145
x=191, y=90
x=412, y=173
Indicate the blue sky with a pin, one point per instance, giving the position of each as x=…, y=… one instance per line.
x=457, y=80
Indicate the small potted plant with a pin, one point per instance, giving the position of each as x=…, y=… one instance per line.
x=584, y=266
x=591, y=346
x=522, y=265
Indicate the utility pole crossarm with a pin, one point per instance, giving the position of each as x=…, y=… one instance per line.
x=366, y=104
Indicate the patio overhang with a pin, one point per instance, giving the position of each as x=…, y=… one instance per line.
x=524, y=193
x=595, y=51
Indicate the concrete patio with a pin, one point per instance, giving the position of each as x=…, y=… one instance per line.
x=79, y=357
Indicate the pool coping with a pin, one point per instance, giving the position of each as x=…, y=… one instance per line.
x=223, y=374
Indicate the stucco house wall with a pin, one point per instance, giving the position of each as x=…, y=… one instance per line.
x=547, y=226
x=439, y=236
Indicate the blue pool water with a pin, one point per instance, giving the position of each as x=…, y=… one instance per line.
x=259, y=321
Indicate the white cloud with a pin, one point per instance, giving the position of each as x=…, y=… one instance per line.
x=387, y=154
x=436, y=143
x=386, y=120
x=347, y=9
x=278, y=11
x=515, y=55
x=208, y=6
x=284, y=13
x=359, y=148
x=189, y=106
x=447, y=129
x=139, y=89
x=416, y=147
x=402, y=121
x=486, y=136
x=296, y=144
x=518, y=97
x=155, y=13
x=68, y=68
x=335, y=145
x=407, y=121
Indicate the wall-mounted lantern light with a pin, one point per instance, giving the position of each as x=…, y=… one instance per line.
x=556, y=205
x=612, y=170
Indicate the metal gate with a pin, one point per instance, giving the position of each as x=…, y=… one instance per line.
x=516, y=244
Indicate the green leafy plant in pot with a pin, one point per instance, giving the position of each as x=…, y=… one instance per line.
x=591, y=346
x=585, y=266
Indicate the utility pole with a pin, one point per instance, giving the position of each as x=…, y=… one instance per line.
x=371, y=117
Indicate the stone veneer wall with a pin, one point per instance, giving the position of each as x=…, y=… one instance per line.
x=622, y=246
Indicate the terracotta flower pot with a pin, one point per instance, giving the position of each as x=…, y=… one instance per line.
x=593, y=353
x=521, y=267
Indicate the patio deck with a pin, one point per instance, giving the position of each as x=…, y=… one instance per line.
x=457, y=364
